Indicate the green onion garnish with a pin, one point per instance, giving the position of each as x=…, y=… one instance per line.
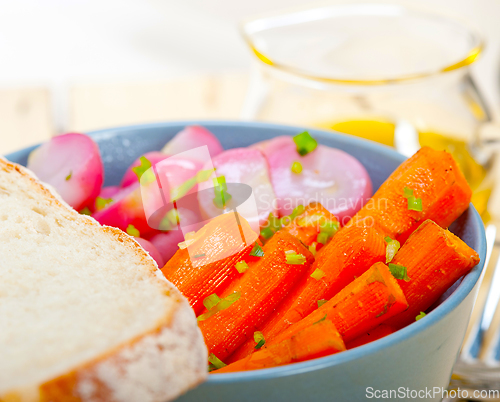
x=257, y=251
x=86, y=211
x=222, y=197
x=312, y=248
x=221, y=305
x=305, y=143
x=211, y=301
x=295, y=259
x=100, y=203
x=420, y=316
x=321, y=302
x=391, y=249
x=329, y=227
x=132, y=231
x=216, y=361
x=387, y=239
x=267, y=233
x=68, y=177
x=318, y=274
x=297, y=211
x=139, y=170
x=322, y=238
x=258, y=337
x=199, y=255
x=170, y=220
x=241, y=266
x=399, y=272
x=296, y=167
x=415, y=204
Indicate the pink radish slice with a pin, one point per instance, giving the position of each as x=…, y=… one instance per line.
x=193, y=137
x=152, y=251
x=132, y=205
x=329, y=176
x=247, y=166
x=167, y=243
x=130, y=177
x=72, y=164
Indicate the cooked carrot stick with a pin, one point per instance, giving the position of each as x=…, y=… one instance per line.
x=315, y=219
x=362, y=305
x=261, y=289
x=318, y=340
x=430, y=176
x=376, y=333
x=348, y=255
x=434, y=259
x=207, y=264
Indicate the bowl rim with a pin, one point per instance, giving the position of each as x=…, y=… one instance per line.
x=446, y=307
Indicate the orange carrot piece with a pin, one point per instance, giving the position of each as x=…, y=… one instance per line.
x=318, y=340
x=376, y=333
x=362, y=305
x=261, y=289
x=348, y=255
x=435, y=178
x=307, y=225
x=435, y=259
x=207, y=265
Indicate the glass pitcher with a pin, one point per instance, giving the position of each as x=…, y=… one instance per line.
x=385, y=72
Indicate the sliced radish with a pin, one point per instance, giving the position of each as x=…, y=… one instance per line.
x=247, y=166
x=72, y=164
x=193, y=137
x=130, y=177
x=152, y=251
x=329, y=176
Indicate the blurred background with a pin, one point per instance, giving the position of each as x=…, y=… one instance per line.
x=80, y=65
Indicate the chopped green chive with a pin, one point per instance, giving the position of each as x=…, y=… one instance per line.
x=318, y=274
x=170, y=220
x=258, y=337
x=298, y=210
x=211, y=301
x=312, y=248
x=420, y=316
x=295, y=259
x=305, y=143
x=415, y=204
x=86, y=211
x=199, y=255
x=257, y=251
x=68, y=177
x=321, y=302
x=241, y=266
x=132, y=231
x=222, y=197
x=296, y=167
x=322, y=238
x=222, y=304
x=399, y=272
x=139, y=170
x=267, y=233
x=391, y=249
x=329, y=227
x=100, y=203
x=387, y=239
x=216, y=361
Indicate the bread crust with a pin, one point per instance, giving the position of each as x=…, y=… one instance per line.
x=157, y=366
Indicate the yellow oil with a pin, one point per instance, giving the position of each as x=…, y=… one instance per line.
x=382, y=131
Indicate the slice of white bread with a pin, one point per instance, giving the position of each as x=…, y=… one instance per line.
x=85, y=313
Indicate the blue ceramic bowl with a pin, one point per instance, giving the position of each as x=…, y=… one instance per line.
x=412, y=363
